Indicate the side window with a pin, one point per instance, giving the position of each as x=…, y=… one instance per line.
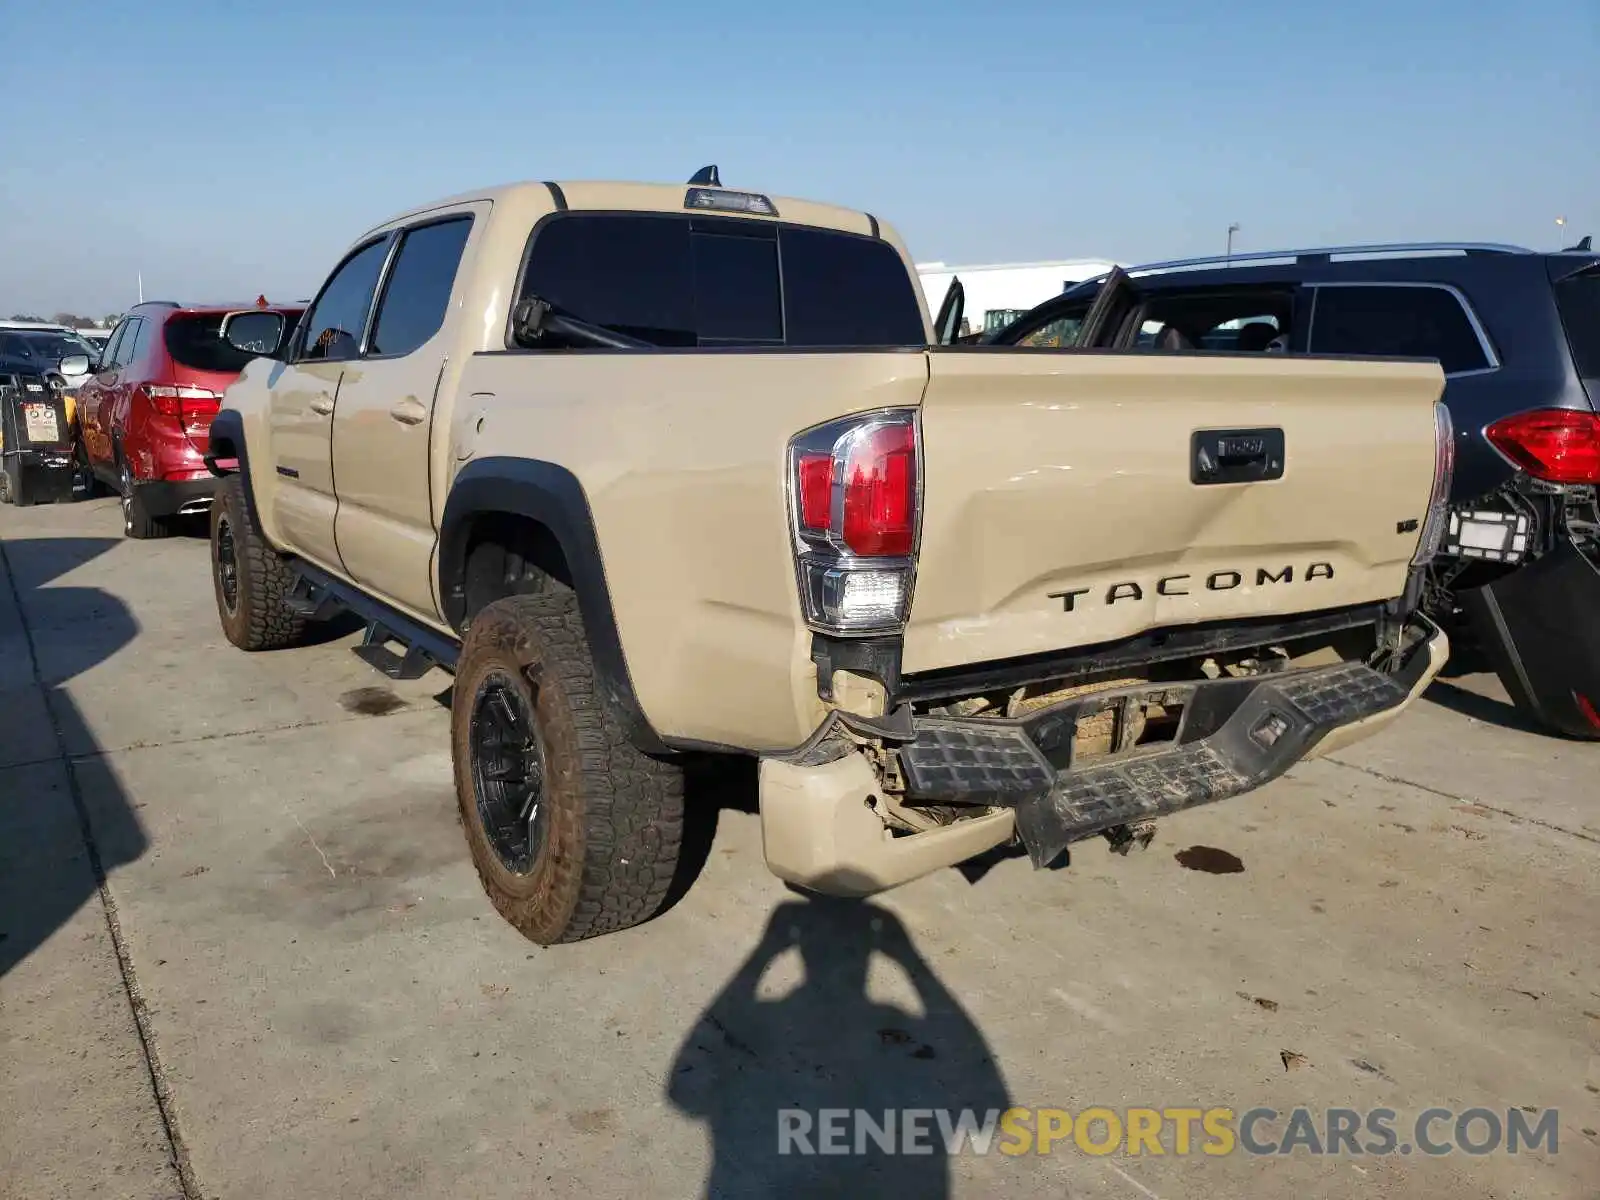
x=332, y=328
x=134, y=341
x=108, y=356
x=1053, y=334
x=14, y=347
x=1407, y=322
x=417, y=293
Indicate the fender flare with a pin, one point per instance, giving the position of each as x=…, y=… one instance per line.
x=551, y=496
x=226, y=440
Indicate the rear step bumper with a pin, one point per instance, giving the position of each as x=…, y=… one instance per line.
x=1235, y=735
x=1273, y=726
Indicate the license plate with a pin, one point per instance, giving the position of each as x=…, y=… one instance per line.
x=41, y=424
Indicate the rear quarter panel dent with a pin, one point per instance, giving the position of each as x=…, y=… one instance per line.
x=682, y=460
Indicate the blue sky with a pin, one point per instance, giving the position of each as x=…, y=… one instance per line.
x=223, y=150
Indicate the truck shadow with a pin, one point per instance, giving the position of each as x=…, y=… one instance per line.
x=759, y=1068
x=1488, y=709
x=64, y=822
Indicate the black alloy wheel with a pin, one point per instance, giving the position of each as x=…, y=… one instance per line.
x=227, y=565
x=508, y=774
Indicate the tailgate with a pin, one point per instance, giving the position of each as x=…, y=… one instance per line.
x=1059, y=511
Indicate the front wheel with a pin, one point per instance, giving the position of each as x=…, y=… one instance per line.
x=574, y=831
x=250, y=578
x=88, y=484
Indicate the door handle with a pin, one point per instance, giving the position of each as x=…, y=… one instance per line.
x=409, y=411
x=321, y=405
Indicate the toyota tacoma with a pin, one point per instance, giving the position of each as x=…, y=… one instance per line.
x=663, y=471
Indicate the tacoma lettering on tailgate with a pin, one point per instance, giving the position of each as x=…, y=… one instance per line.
x=1181, y=585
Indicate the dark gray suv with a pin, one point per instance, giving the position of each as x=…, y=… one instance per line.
x=1518, y=334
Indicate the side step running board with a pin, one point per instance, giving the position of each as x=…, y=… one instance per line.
x=317, y=596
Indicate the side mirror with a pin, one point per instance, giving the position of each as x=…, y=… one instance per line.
x=254, y=332
x=74, y=366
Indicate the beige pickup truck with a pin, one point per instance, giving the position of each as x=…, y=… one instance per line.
x=661, y=471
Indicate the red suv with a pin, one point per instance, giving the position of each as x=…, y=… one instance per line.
x=144, y=415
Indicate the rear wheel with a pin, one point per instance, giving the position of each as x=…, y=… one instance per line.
x=136, y=520
x=251, y=579
x=574, y=831
x=11, y=491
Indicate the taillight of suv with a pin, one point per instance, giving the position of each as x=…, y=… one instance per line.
x=855, y=504
x=1557, y=445
x=188, y=404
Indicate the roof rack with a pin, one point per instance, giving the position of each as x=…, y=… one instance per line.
x=1326, y=253
x=1315, y=254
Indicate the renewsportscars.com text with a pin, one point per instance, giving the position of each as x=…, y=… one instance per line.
x=1162, y=1131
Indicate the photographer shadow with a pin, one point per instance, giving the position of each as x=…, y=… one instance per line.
x=65, y=820
x=759, y=1067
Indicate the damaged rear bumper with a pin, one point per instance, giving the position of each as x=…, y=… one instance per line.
x=821, y=831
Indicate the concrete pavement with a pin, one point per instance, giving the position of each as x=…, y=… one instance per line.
x=329, y=1006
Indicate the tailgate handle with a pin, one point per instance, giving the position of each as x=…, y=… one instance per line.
x=1235, y=455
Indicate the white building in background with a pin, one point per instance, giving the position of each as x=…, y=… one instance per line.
x=997, y=293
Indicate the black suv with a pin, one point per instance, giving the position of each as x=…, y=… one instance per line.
x=1518, y=335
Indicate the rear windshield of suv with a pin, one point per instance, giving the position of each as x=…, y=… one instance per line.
x=718, y=281
x=195, y=341
x=1578, y=298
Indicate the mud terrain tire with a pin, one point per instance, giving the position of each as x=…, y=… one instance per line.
x=249, y=577
x=591, y=844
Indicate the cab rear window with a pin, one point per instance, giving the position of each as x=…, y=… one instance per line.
x=716, y=281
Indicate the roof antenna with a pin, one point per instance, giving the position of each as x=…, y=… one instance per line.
x=1586, y=244
x=707, y=177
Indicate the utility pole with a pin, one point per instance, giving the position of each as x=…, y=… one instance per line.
x=1232, y=229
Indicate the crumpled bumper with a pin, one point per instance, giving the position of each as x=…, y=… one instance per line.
x=820, y=832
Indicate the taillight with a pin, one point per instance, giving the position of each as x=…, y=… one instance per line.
x=1444, y=471
x=855, y=500
x=815, y=487
x=1557, y=445
x=188, y=404
x=880, y=491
